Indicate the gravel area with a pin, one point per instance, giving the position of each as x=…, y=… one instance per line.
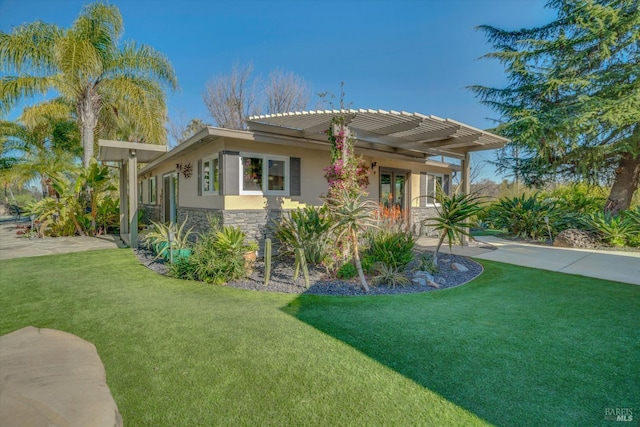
x=282, y=271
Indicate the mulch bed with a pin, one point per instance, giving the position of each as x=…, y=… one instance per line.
x=320, y=283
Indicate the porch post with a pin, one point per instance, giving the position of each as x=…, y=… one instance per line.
x=133, y=199
x=124, y=224
x=465, y=185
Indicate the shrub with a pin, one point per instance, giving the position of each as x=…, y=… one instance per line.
x=306, y=229
x=613, y=230
x=217, y=257
x=578, y=198
x=347, y=271
x=530, y=216
x=391, y=247
x=389, y=276
x=426, y=264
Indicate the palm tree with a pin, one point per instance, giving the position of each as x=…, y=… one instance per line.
x=108, y=84
x=41, y=150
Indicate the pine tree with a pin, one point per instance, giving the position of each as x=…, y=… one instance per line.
x=572, y=104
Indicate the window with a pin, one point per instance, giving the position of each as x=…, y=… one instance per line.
x=262, y=174
x=433, y=180
x=152, y=190
x=210, y=175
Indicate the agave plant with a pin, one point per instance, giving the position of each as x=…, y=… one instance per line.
x=167, y=237
x=453, y=214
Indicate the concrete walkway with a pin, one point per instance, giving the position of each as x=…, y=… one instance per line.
x=610, y=265
x=13, y=245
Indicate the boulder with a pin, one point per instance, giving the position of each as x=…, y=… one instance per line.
x=574, y=238
x=459, y=267
x=53, y=378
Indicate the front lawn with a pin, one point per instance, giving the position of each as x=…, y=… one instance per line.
x=514, y=347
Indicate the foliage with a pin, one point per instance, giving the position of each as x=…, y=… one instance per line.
x=347, y=271
x=613, y=230
x=353, y=214
x=307, y=229
x=391, y=247
x=217, y=257
x=570, y=107
x=578, y=198
x=346, y=172
x=453, y=214
x=526, y=216
x=112, y=88
x=426, y=263
x=167, y=237
x=85, y=207
x=390, y=276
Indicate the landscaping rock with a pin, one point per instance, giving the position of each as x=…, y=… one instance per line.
x=574, y=238
x=423, y=274
x=52, y=378
x=459, y=267
x=433, y=284
x=419, y=281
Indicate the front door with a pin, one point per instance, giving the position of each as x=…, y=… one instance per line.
x=393, y=189
x=170, y=191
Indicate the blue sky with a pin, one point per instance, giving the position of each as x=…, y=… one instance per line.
x=403, y=55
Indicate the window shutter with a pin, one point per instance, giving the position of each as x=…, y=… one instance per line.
x=445, y=184
x=423, y=189
x=229, y=172
x=199, y=177
x=295, y=185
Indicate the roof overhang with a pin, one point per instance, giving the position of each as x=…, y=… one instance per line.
x=407, y=134
x=119, y=151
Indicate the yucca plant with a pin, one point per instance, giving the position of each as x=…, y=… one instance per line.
x=453, y=214
x=353, y=213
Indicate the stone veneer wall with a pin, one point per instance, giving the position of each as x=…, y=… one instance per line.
x=417, y=216
x=150, y=213
x=253, y=223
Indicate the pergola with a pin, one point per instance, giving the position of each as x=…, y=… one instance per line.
x=411, y=136
x=127, y=155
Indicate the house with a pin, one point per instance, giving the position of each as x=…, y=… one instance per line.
x=250, y=177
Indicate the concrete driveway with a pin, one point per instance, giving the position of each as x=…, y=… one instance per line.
x=13, y=245
x=610, y=265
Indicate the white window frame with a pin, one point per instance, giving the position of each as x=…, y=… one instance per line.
x=212, y=173
x=265, y=175
x=432, y=176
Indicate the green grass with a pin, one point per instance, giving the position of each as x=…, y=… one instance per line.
x=514, y=347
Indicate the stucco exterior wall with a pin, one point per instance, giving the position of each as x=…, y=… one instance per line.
x=253, y=213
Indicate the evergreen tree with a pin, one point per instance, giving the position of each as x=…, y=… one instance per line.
x=572, y=104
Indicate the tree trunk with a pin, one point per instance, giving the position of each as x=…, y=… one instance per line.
x=625, y=183
x=356, y=259
x=88, y=108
